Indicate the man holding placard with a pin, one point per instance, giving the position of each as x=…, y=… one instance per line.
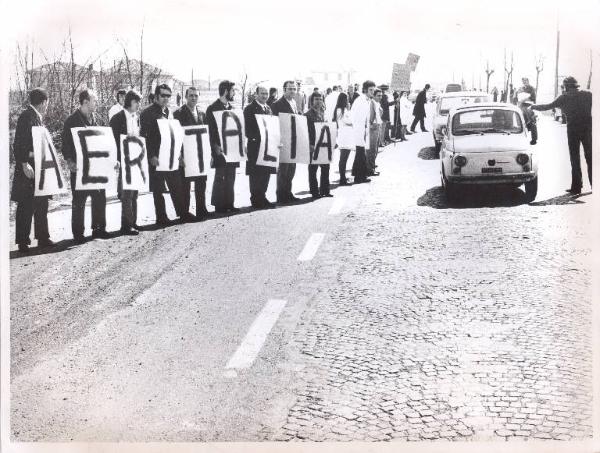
x=315, y=115
x=29, y=206
x=259, y=173
x=126, y=129
x=81, y=118
x=223, y=185
x=190, y=114
x=286, y=171
x=166, y=140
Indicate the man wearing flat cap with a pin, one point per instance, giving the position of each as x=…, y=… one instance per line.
x=577, y=105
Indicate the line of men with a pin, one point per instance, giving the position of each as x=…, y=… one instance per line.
x=127, y=120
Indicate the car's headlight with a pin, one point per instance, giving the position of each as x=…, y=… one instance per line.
x=522, y=159
x=460, y=161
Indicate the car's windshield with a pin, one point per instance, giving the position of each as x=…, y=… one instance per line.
x=446, y=104
x=488, y=121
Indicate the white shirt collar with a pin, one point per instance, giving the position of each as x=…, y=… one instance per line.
x=36, y=111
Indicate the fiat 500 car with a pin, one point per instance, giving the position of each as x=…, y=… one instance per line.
x=487, y=144
x=447, y=102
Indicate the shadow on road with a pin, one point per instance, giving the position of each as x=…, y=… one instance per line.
x=60, y=246
x=474, y=197
x=332, y=186
x=428, y=153
x=561, y=200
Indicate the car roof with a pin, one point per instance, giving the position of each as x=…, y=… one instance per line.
x=458, y=94
x=487, y=105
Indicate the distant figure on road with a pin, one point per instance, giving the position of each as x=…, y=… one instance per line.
x=28, y=205
x=495, y=94
x=578, y=108
x=419, y=110
x=189, y=114
x=258, y=175
x=119, y=105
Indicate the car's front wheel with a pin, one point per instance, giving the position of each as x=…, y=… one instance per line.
x=531, y=189
x=438, y=147
x=450, y=189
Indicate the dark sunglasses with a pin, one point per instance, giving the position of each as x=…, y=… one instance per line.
x=163, y=95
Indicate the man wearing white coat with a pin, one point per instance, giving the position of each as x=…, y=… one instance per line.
x=360, y=112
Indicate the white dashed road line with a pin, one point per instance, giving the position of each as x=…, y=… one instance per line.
x=252, y=343
x=338, y=204
x=311, y=247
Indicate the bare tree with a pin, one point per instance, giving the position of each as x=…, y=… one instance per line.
x=488, y=74
x=244, y=84
x=508, y=73
x=539, y=67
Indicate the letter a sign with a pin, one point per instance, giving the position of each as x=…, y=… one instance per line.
x=48, y=178
x=230, y=124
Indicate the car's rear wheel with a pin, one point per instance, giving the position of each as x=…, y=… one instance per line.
x=531, y=189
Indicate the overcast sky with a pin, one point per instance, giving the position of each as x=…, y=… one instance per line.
x=275, y=39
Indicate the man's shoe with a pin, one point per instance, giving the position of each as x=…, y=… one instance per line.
x=424, y=130
x=574, y=191
x=129, y=232
x=220, y=210
x=188, y=217
x=327, y=195
x=79, y=239
x=234, y=209
x=163, y=221
x=292, y=198
x=100, y=234
x=345, y=182
x=315, y=196
x=361, y=181
x=23, y=248
x=45, y=242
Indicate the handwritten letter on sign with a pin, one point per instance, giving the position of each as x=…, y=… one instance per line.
x=325, y=134
x=134, y=164
x=294, y=139
x=96, y=153
x=230, y=124
x=48, y=178
x=270, y=139
x=196, y=150
x=171, y=141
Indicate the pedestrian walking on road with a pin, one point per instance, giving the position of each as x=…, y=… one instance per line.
x=315, y=115
x=577, y=105
x=258, y=175
x=419, y=110
x=345, y=137
x=149, y=117
x=360, y=114
x=84, y=116
x=28, y=205
x=223, y=185
x=286, y=172
x=495, y=94
x=189, y=114
x=127, y=122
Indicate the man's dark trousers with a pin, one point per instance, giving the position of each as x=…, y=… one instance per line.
x=78, y=209
x=579, y=135
x=36, y=208
x=174, y=184
x=421, y=121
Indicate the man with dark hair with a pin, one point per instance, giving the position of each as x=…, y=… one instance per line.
x=272, y=96
x=258, y=175
x=361, y=115
x=385, y=115
x=286, y=172
x=315, y=115
x=577, y=106
x=223, y=185
x=119, y=105
x=189, y=114
x=28, y=205
x=150, y=131
x=83, y=117
x=352, y=94
x=127, y=122
x=527, y=88
x=419, y=109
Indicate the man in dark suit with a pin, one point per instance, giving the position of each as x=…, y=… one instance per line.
x=285, y=174
x=259, y=175
x=28, y=205
x=150, y=131
x=83, y=117
x=189, y=114
x=127, y=122
x=352, y=94
x=419, y=109
x=315, y=115
x=223, y=185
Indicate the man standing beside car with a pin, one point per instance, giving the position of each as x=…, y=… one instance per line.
x=577, y=105
x=419, y=110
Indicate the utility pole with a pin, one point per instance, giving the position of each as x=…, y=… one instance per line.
x=556, y=63
x=192, y=82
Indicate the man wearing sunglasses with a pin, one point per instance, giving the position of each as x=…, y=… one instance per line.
x=149, y=130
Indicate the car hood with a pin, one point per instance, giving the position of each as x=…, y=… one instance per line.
x=490, y=142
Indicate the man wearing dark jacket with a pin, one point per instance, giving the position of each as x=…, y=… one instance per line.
x=385, y=115
x=189, y=114
x=577, y=105
x=223, y=185
x=127, y=122
x=315, y=115
x=150, y=131
x=83, y=117
x=419, y=109
x=259, y=175
x=28, y=205
x=286, y=172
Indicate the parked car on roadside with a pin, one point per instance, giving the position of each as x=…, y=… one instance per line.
x=487, y=144
x=453, y=87
x=446, y=102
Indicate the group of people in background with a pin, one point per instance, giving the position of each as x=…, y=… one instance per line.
x=362, y=119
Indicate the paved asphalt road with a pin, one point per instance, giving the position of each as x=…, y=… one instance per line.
x=379, y=314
